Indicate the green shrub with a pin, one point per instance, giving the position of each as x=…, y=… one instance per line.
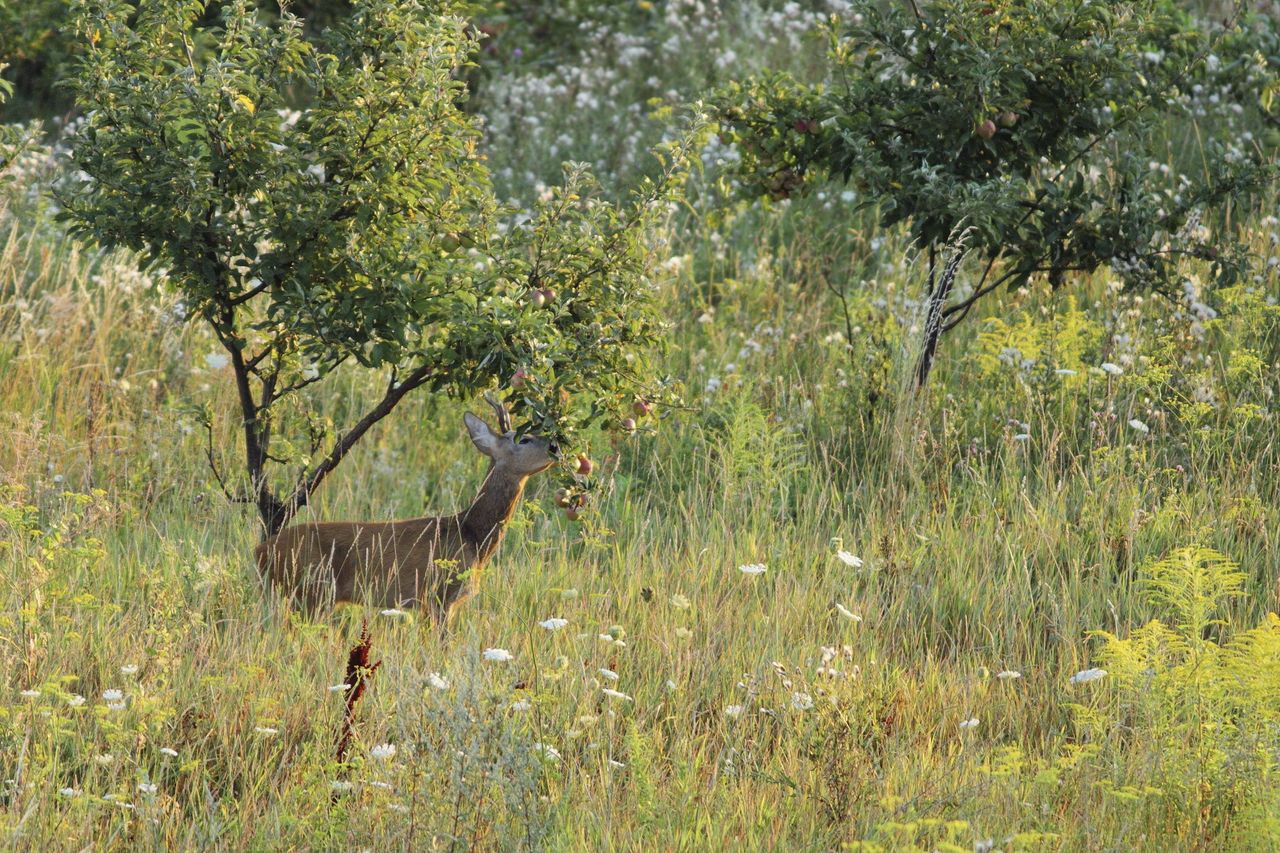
x=359, y=230
x=1020, y=130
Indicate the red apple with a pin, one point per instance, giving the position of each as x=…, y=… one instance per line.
x=987, y=129
x=548, y=295
x=1007, y=119
x=584, y=464
x=519, y=379
x=573, y=513
x=642, y=407
x=562, y=498
x=537, y=298
x=628, y=424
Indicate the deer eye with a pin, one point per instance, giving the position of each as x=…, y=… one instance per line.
x=526, y=440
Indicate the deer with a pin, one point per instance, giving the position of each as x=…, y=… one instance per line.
x=427, y=564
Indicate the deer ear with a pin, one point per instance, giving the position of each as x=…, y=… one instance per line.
x=481, y=435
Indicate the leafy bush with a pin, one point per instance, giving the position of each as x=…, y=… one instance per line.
x=1022, y=130
x=35, y=45
x=361, y=229
x=14, y=139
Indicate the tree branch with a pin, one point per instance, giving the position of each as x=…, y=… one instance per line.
x=307, y=484
x=233, y=497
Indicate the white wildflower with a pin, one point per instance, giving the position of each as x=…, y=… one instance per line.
x=616, y=694
x=1084, y=676
x=216, y=360
x=1112, y=368
x=971, y=723
x=438, y=681
x=384, y=751
x=801, y=701
x=609, y=674
x=498, y=655
x=129, y=669
x=753, y=568
x=554, y=623
x=1139, y=426
x=733, y=711
x=849, y=559
x=847, y=613
x=1008, y=674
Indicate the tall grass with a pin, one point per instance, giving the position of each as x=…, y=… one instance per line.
x=1001, y=519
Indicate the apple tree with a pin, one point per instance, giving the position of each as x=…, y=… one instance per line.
x=322, y=204
x=1020, y=131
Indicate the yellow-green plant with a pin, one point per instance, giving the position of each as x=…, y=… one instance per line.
x=1202, y=706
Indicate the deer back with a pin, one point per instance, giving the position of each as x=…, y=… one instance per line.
x=421, y=562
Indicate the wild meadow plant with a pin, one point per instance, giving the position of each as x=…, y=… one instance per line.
x=1029, y=609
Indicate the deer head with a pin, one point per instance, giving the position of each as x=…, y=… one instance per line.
x=519, y=456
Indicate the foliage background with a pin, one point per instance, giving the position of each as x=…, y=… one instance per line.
x=1043, y=490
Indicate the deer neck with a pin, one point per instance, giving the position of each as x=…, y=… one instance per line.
x=485, y=521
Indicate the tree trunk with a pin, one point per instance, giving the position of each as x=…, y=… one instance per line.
x=932, y=330
x=933, y=319
x=272, y=512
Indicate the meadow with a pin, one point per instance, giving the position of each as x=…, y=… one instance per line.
x=1029, y=607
